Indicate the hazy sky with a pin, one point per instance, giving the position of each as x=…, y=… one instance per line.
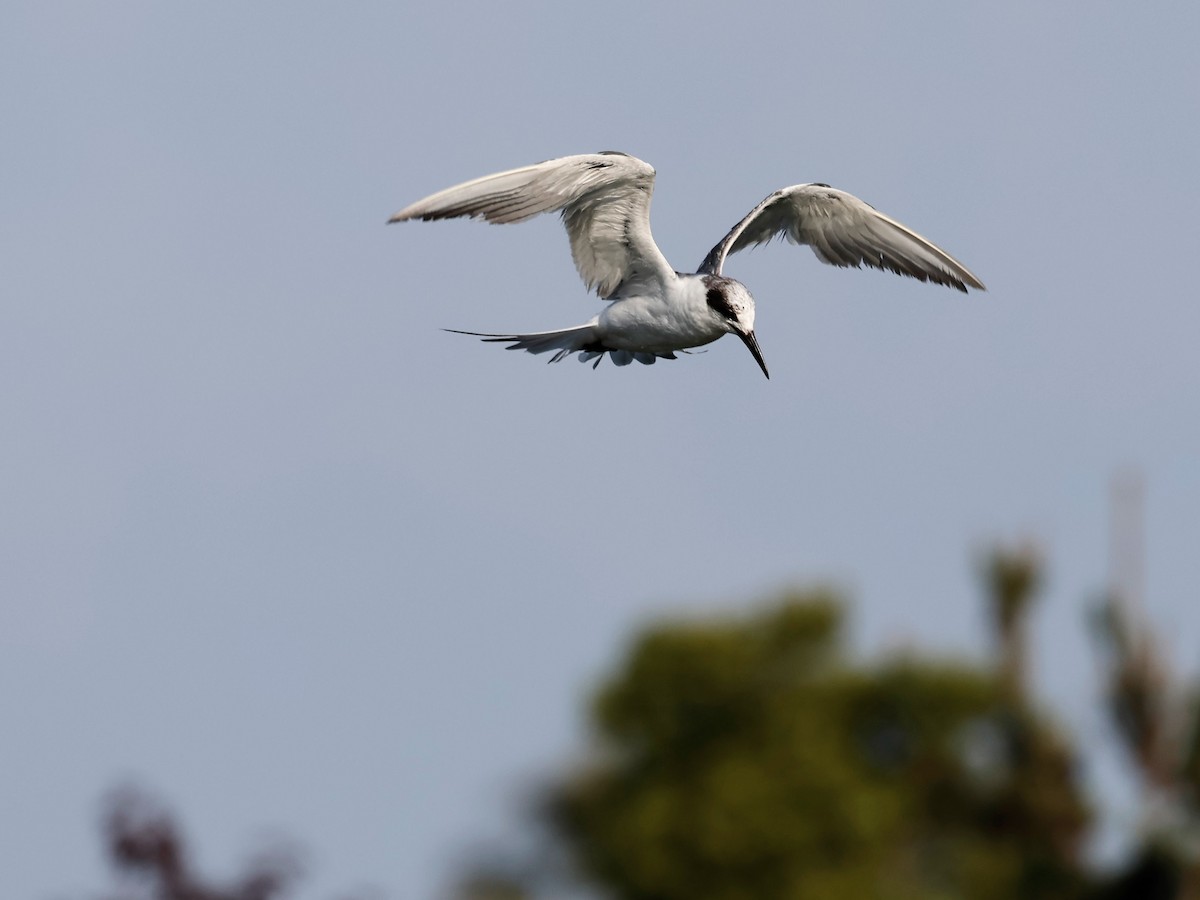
x=278, y=548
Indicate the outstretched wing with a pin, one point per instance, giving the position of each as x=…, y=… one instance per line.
x=843, y=231
x=604, y=199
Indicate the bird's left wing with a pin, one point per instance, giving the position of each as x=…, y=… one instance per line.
x=604, y=199
x=843, y=231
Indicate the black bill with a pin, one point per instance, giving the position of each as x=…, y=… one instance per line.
x=752, y=343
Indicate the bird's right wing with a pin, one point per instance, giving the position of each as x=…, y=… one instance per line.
x=604, y=199
x=842, y=231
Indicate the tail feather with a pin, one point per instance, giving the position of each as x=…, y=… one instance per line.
x=582, y=339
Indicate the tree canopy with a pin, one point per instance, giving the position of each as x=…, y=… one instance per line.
x=749, y=758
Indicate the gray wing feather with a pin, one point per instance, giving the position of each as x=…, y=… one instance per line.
x=604, y=199
x=842, y=231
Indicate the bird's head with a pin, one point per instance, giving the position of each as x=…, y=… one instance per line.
x=731, y=304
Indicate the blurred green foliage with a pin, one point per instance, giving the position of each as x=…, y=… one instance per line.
x=751, y=757
x=748, y=758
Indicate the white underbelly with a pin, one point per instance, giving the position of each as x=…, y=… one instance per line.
x=655, y=327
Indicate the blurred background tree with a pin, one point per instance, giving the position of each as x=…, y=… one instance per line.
x=749, y=757
x=148, y=850
x=1156, y=718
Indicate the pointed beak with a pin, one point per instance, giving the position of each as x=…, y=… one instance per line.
x=752, y=343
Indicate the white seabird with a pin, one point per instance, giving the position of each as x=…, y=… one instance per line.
x=655, y=311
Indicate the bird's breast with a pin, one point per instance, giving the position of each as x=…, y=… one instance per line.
x=658, y=324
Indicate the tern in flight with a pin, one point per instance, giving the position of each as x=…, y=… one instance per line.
x=653, y=311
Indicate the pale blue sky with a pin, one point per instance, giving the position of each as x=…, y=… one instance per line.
x=278, y=548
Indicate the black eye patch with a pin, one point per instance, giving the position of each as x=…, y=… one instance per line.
x=720, y=303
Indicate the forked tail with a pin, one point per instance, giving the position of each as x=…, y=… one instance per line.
x=582, y=339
